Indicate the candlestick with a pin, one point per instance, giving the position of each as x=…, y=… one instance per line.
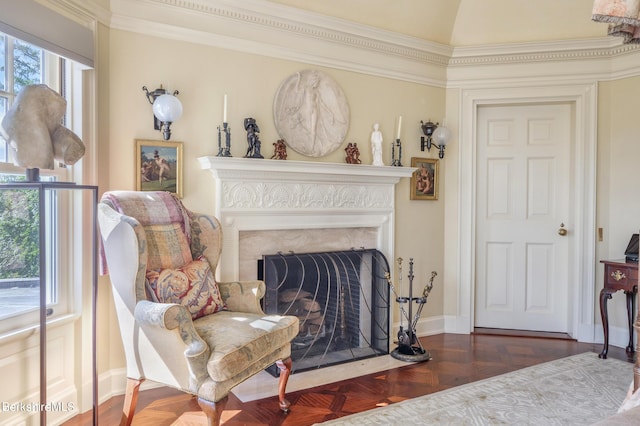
x=220, y=150
x=399, y=126
x=224, y=114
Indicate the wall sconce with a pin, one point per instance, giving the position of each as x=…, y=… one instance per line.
x=435, y=135
x=166, y=109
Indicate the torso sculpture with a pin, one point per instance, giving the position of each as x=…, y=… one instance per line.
x=33, y=130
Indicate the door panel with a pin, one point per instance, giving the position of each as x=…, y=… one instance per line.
x=499, y=277
x=523, y=178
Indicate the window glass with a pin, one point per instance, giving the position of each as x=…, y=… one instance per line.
x=27, y=65
x=3, y=88
x=22, y=64
x=3, y=145
x=3, y=62
x=20, y=248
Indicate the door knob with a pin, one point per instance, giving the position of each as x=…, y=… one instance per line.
x=562, y=231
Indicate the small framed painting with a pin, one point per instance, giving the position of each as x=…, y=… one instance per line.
x=424, y=181
x=159, y=166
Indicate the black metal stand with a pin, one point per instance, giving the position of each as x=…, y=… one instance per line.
x=43, y=189
x=409, y=347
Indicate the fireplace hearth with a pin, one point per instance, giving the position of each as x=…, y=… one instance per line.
x=341, y=299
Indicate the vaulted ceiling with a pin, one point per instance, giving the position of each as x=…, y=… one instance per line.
x=467, y=22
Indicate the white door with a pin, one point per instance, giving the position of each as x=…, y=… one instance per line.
x=523, y=197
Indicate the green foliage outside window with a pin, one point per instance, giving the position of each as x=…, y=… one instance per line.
x=27, y=65
x=19, y=233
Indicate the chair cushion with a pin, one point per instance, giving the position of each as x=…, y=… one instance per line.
x=192, y=286
x=238, y=340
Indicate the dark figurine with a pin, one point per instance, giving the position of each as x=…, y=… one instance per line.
x=253, y=151
x=353, y=153
x=279, y=150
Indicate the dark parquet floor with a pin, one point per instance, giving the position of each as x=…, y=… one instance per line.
x=456, y=360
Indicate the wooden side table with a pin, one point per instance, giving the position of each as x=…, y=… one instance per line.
x=618, y=275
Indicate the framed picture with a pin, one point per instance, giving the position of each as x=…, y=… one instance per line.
x=424, y=181
x=159, y=166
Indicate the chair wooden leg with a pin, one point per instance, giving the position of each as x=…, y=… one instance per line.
x=130, y=401
x=213, y=410
x=285, y=370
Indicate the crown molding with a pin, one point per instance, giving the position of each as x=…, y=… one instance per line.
x=585, y=60
x=266, y=28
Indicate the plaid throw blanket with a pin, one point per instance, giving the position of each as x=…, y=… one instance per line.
x=166, y=224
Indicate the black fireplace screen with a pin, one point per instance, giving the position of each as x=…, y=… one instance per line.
x=341, y=299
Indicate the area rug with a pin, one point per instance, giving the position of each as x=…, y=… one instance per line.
x=577, y=390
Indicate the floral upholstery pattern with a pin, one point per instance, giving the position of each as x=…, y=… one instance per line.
x=239, y=340
x=192, y=286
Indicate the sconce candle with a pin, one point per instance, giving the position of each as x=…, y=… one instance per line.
x=399, y=126
x=434, y=134
x=224, y=110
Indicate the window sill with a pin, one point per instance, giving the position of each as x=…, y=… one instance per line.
x=22, y=333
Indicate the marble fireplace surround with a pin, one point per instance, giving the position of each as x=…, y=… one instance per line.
x=266, y=206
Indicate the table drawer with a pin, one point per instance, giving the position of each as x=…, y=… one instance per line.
x=621, y=277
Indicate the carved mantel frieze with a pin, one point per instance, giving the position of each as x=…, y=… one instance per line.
x=264, y=205
x=285, y=185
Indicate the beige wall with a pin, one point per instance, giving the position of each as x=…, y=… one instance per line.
x=618, y=177
x=204, y=74
x=126, y=61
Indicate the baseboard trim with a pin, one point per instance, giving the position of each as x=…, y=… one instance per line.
x=521, y=333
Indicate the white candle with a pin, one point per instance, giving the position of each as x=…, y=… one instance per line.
x=399, y=126
x=224, y=114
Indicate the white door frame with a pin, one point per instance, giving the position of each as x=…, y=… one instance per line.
x=583, y=98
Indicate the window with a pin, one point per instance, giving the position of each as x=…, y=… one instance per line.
x=22, y=64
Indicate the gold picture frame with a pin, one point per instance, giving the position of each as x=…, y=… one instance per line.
x=159, y=166
x=425, y=180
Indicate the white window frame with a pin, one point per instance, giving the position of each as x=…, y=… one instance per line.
x=62, y=292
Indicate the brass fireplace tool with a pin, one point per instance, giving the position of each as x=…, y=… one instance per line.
x=409, y=346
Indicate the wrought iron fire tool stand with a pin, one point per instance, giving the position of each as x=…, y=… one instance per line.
x=409, y=346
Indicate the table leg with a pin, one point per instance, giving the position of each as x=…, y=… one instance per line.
x=604, y=296
x=631, y=299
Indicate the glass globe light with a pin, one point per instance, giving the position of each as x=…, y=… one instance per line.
x=441, y=136
x=167, y=108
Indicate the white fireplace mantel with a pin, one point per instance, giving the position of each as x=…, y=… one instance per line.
x=251, y=168
x=295, y=196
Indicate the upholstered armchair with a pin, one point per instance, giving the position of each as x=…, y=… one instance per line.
x=179, y=326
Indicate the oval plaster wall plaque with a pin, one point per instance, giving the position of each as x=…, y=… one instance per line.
x=311, y=113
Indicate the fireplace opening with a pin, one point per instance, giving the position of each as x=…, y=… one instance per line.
x=341, y=299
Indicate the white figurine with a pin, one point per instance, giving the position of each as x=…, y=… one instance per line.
x=376, y=146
